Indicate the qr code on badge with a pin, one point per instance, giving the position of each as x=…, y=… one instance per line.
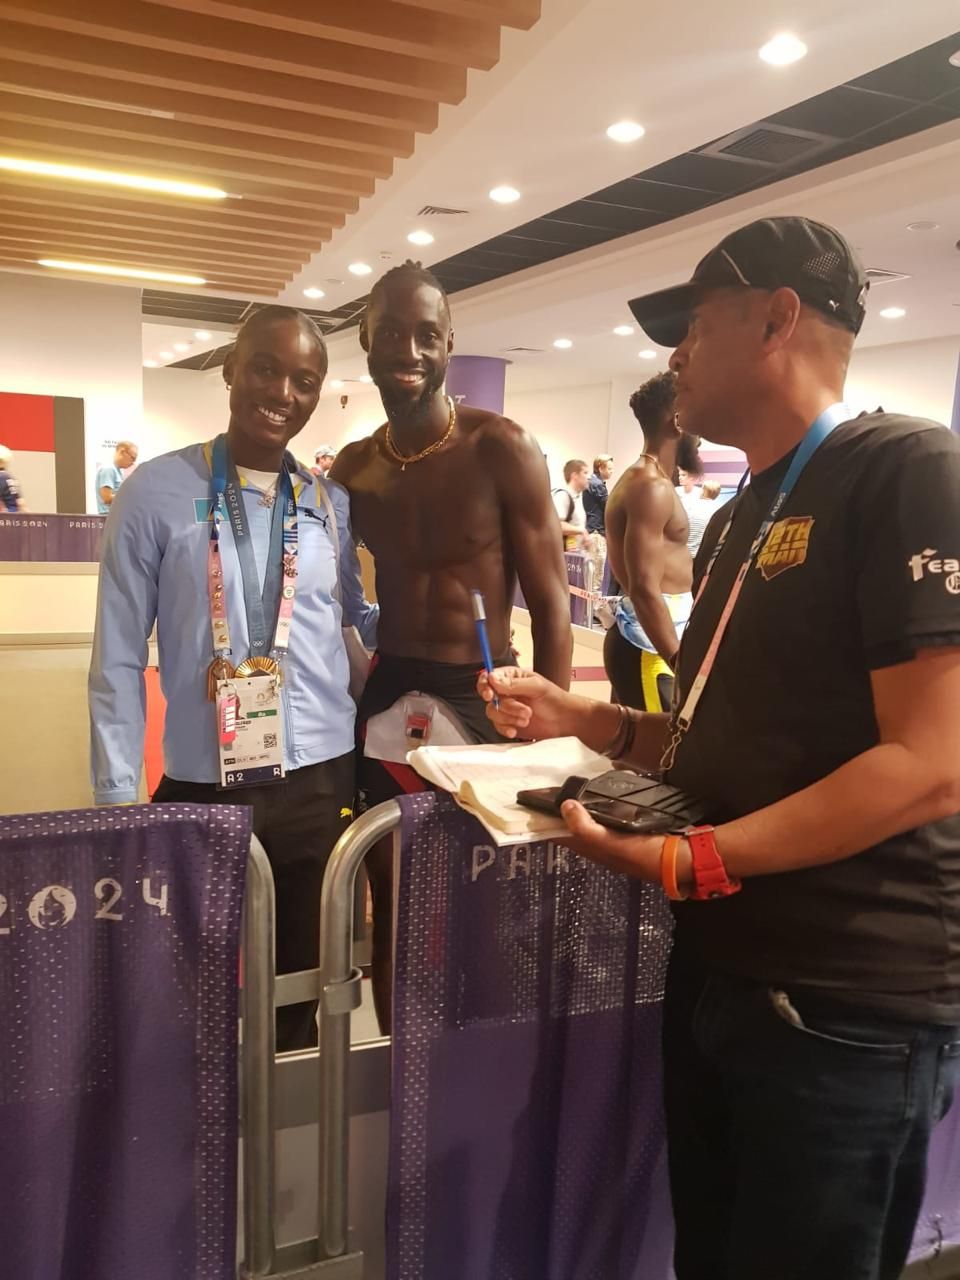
x=270, y=740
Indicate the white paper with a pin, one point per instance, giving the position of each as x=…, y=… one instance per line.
x=497, y=771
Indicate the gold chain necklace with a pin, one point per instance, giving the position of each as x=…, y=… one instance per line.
x=656, y=463
x=431, y=448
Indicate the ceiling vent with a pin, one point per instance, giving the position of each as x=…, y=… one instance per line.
x=769, y=144
x=529, y=351
x=878, y=276
x=438, y=211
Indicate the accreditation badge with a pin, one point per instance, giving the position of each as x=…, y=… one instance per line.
x=249, y=731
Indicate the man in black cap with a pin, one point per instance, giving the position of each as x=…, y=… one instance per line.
x=812, y=1012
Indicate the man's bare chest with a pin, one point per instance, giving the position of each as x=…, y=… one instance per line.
x=439, y=516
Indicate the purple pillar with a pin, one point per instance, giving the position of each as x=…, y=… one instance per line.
x=477, y=380
x=955, y=417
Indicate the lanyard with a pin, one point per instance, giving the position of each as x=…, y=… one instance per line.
x=280, y=577
x=814, y=438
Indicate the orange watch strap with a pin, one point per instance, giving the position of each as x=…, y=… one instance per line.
x=668, y=868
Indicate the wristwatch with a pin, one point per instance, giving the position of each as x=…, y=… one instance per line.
x=710, y=879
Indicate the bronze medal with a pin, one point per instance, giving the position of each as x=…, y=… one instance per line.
x=219, y=669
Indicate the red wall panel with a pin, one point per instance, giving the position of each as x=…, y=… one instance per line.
x=26, y=422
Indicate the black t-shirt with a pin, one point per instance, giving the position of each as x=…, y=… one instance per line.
x=595, y=504
x=860, y=572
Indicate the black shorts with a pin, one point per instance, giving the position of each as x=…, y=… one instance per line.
x=390, y=678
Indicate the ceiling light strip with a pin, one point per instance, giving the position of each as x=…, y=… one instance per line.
x=107, y=177
x=131, y=273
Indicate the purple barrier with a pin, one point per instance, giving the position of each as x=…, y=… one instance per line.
x=119, y=943
x=50, y=537
x=939, y=1223
x=576, y=563
x=527, y=1132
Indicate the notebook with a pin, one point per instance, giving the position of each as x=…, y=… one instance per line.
x=484, y=780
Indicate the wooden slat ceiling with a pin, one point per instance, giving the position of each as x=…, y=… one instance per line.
x=295, y=108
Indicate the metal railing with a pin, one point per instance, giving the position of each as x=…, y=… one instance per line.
x=336, y=984
x=256, y=1064
x=340, y=993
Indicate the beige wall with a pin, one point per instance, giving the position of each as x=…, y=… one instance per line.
x=49, y=600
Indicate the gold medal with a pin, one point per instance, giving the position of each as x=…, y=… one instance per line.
x=258, y=667
x=219, y=669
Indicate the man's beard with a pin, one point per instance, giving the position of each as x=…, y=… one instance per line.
x=688, y=454
x=412, y=411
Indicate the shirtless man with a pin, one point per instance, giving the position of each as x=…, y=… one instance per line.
x=447, y=499
x=647, y=533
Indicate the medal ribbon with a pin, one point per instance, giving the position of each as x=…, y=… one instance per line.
x=280, y=578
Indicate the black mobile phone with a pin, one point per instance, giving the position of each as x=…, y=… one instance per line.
x=624, y=800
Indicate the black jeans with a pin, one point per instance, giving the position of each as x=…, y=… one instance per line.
x=298, y=821
x=797, y=1152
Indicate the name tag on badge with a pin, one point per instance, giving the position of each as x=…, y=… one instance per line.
x=249, y=731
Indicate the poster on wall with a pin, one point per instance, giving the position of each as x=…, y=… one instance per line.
x=44, y=435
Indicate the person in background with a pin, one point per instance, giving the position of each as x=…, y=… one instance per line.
x=811, y=1028
x=568, y=503
x=110, y=477
x=700, y=506
x=282, y=543
x=10, y=498
x=647, y=543
x=595, y=494
x=595, y=505
x=324, y=459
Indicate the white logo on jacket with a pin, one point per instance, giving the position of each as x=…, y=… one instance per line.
x=927, y=561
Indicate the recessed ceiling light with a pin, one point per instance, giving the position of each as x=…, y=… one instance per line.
x=203, y=335
x=647, y=355
x=107, y=177
x=893, y=313
x=366, y=378
x=314, y=292
x=420, y=237
x=337, y=383
x=954, y=59
x=504, y=195
x=359, y=268
x=783, y=49
x=923, y=226
x=626, y=131
x=181, y=346
x=623, y=330
x=132, y=273
x=166, y=355
x=563, y=344
x=150, y=364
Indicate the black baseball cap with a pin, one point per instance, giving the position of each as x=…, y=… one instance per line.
x=772, y=253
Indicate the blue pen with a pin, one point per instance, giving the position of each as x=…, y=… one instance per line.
x=480, y=618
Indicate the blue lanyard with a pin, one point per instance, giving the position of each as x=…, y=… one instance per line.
x=816, y=434
x=284, y=542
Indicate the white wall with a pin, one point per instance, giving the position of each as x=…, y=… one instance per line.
x=64, y=338
x=182, y=406
x=911, y=377
x=568, y=422
x=579, y=421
